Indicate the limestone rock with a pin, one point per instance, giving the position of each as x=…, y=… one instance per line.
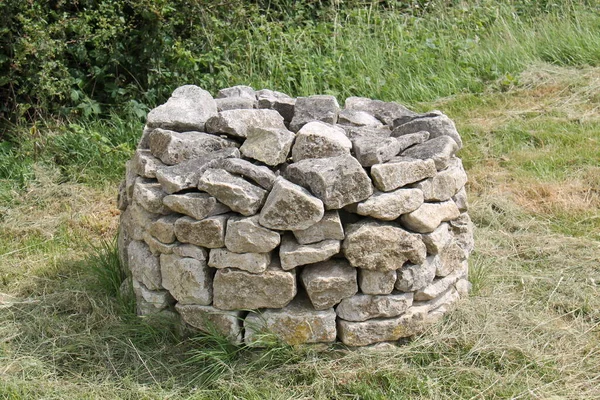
x=376, y=282
x=297, y=323
x=406, y=141
x=290, y=207
x=381, y=246
x=187, y=279
x=235, y=103
x=144, y=266
x=191, y=251
x=329, y=227
x=358, y=118
x=241, y=91
x=317, y=139
x=174, y=147
x=209, y=232
x=237, y=122
x=210, y=320
x=362, y=307
x=463, y=287
x=445, y=184
x=451, y=259
x=462, y=229
x=371, y=150
x=185, y=175
x=385, y=112
x=401, y=171
x=436, y=123
x=381, y=330
x=280, y=102
x=156, y=246
x=268, y=145
x=136, y=219
x=429, y=216
x=328, y=282
x=440, y=149
x=389, y=206
x=235, y=289
x=246, y=235
x=251, y=262
x=436, y=240
x=163, y=228
x=437, y=287
x=145, y=164
x=460, y=199
x=314, y=108
x=337, y=181
x=122, y=200
x=416, y=277
x=144, y=143
x=240, y=195
x=188, y=108
x=261, y=175
x=195, y=205
x=381, y=132
x=149, y=194
x=150, y=301
x=293, y=254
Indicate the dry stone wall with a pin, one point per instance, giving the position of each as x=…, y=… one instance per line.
x=257, y=212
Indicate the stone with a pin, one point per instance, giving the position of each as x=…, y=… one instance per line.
x=401, y=171
x=462, y=229
x=150, y=301
x=261, y=175
x=362, y=307
x=296, y=323
x=381, y=246
x=463, y=287
x=436, y=123
x=149, y=194
x=328, y=282
x=136, y=219
x=290, y=207
x=174, y=147
x=195, y=205
x=122, y=200
x=438, y=239
x=353, y=132
x=144, y=143
x=314, y=108
x=417, y=277
x=429, y=216
x=440, y=149
x=241, y=91
x=209, y=232
x=437, y=287
x=235, y=103
x=187, y=279
x=337, y=181
x=389, y=206
x=406, y=141
x=280, y=102
x=445, y=184
x=163, y=228
x=385, y=112
x=329, y=227
x=212, y=320
x=188, y=108
x=376, y=282
x=235, y=192
x=130, y=178
x=371, y=150
x=451, y=259
x=251, y=262
x=460, y=199
x=246, y=235
x=357, y=118
x=156, y=246
x=237, y=122
x=268, y=145
x=235, y=289
x=191, y=251
x=145, y=164
x=381, y=329
x=144, y=266
x=185, y=175
x=317, y=139
x=293, y=254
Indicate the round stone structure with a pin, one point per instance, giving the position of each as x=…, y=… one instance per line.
x=257, y=212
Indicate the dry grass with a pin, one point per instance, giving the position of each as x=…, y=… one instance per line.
x=531, y=328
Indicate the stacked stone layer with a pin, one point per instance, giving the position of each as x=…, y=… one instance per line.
x=257, y=212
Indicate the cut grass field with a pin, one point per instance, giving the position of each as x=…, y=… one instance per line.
x=530, y=329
